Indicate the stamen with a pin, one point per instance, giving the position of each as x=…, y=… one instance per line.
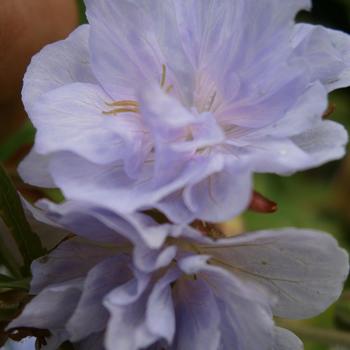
x=211, y=102
x=330, y=110
x=123, y=103
x=162, y=81
x=121, y=110
x=261, y=204
x=169, y=89
x=131, y=106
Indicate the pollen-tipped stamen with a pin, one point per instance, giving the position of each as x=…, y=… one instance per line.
x=123, y=103
x=162, y=81
x=169, y=89
x=121, y=110
x=126, y=106
x=131, y=106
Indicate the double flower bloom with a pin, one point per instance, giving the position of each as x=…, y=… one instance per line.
x=153, y=116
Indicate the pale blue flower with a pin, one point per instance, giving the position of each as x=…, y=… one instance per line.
x=186, y=292
x=26, y=344
x=173, y=104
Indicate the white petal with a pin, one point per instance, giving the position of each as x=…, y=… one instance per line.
x=125, y=56
x=51, y=308
x=197, y=316
x=85, y=220
x=207, y=27
x=244, y=307
x=174, y=207
x=160, y=316
x=58, y=64
x=34, y=170
x=274, y=155
x=149, y=260
x=326, y=52
x=74, y=113
x=127, y=328
x=49, y=232
x=221, y=195
x=286, y=340
x=72, y=259
x=100, y=280
x=324, y=142
x=307, y=111
x=305, y=269
x=83, y=180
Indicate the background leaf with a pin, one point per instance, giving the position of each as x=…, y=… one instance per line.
x=12, y=213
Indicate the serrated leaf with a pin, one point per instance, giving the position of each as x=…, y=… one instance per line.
x=12, y=213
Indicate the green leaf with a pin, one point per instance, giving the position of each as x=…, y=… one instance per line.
x=9, y=282
x=8, y=259
x=82, y=9
x=324, y=336
x=12, y=213
x=24, y=136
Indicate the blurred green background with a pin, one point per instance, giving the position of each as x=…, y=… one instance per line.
x=316, y=199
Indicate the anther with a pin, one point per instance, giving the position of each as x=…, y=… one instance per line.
x=211, y=101
x=123, y=103
x=261, y=204
x=169, y=89
x=121, y=110
x=162, y=81
x=330, y=110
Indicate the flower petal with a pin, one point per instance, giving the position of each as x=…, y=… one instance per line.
x=197, y=316
x=125, y=56
x=305, y=269
x=34, y=170
x=222, y=194
x=286, y=340
x=49, y=232
x=244, y=307
x=307, y=111
x=160, y=316
x=326, y=52
x=274, y=155
x=267, y=104
x=324, y=142
x=74, y=113
x=72, y=259
x=174, y=207
x=207, y=28
x=127, y=328
x=85, y=220
x=38, y=313
x=100, y=280
x=58, y=64
x=82, y=180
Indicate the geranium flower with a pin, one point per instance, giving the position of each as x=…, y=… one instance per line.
x=173, y=104
x=188, y=291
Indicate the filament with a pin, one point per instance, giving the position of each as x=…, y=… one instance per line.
x=121, y=110
x=169, y=89
x=123, y=103
x=131, y=106
x=162, y=81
